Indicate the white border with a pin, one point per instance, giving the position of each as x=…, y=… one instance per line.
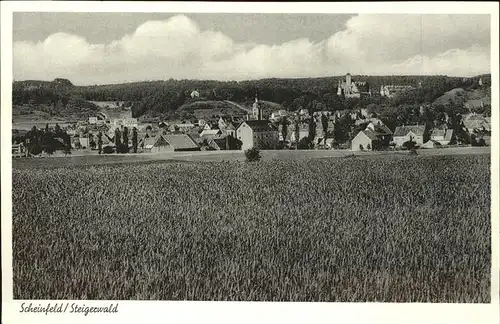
x=248, y=312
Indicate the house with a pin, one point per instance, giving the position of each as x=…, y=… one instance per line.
x=125, y=122
x=304, y=112
x=201, y=122
x=185, y=126
x=476, y=122
x=442, y=136
x=182, y=142
x=210, y=132
x=211, y=125
x=430, y=144
x=194, y=94
x=392, y=91
x=169, y=143
x=225, y=121
x=303, y=132
x=258, y=133
x=230, y=130
x=277, y=115
x=403, y=134
x=155, y=144
x=365, y=140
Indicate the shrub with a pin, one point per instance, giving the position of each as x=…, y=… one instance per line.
x=305, y=144
x=252, y=154
x=107, y=149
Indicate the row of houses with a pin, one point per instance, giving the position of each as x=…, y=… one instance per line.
x=377, y=135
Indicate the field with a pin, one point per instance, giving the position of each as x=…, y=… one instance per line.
x=367, y=228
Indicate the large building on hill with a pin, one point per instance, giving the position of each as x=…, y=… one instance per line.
x=353, y=89
x=391, y=91
x=258, y=133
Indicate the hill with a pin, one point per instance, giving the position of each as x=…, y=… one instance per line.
x=471, y=98
x=170, y=98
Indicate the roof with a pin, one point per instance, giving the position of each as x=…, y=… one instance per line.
x=404, y=130
x=438, y=132
x=430, y=144
x=260, y=125
x=210, y=132
x=371, y=135
x=180, y=141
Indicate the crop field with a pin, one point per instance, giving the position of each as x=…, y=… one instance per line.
x=365, y=228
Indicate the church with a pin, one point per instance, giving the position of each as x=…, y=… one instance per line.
x=353, y=89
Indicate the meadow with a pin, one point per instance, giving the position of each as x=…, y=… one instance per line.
x=354, y=229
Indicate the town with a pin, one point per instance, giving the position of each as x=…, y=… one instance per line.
x=358, y=129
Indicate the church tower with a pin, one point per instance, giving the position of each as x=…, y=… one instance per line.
x=256, y=109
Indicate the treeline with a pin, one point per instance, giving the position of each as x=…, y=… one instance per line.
x=163, y=98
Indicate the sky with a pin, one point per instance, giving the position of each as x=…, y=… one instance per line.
x=103, y=48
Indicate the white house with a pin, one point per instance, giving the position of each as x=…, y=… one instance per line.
x=403, y=134
x=258, y=133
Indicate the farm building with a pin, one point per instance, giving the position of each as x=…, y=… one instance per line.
x=403, y=134
x=365, y=141
x=258, y=133
x=156, y=144
x=169, y=143
x=442, y=136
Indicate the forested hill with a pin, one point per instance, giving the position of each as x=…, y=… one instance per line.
x=165, y=97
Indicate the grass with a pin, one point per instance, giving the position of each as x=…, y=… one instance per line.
x=398, y=229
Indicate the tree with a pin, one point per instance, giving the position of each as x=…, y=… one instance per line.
x=252, y=154
x=134, y=139
x=297, y=132
x=284, y=128
x=125, y=140
x=305, y=143
x=58, y=130
x=99, y=142
x=312, y=129
x=117, y=140
x=67, y=144
x=343, y=128
x=324, y=124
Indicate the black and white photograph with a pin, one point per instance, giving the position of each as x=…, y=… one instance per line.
x=264, y=157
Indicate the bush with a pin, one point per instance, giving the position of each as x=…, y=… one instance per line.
x=107, y=149
x=253, y=154
x=305, y=144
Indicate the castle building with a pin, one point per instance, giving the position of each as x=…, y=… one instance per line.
x=353, y=89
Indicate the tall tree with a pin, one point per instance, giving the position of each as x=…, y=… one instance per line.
x=324, y=124
x=134, y=139
x=99, y=142
x=125, y=140
x=284, y=127
x=117, y=140
x=297, y=132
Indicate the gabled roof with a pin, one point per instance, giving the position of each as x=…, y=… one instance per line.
x=404, y=130
x=438, y=132
x=210, y=132
x=260, y=125
x=371, y=135
x=180, y=141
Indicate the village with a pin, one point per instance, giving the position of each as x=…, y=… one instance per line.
x=281, y=129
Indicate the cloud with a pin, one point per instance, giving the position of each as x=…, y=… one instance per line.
x=177, y=48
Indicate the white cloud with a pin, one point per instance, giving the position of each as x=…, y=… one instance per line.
x=177, y=48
